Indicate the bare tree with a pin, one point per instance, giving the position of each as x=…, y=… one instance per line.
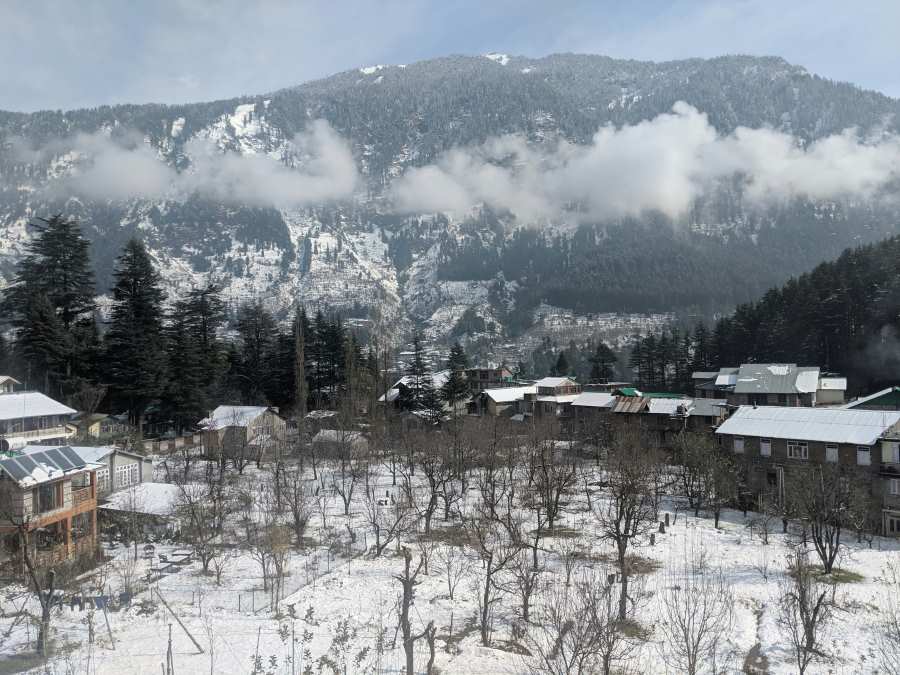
x=453, y=565
x=522, y=581
x=298, y=499
x=804, y=609
x=388, y=522
x=821, y=496
x=628, y=509
x=695, y=614
x=408, y=582
x=198, y=507
x=497, y=542
x=889, y=634
x=576, y=631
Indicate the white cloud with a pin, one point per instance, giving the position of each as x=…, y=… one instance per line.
x=662, y=164
x=128, y=167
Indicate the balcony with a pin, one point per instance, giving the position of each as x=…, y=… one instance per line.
x=37, y=434
x=81, y=495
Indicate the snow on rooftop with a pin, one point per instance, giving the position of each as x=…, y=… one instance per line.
x=594, y=399
x=833, y=383
x=502, y=59
x=232, y=416
x=553, y=381
x=827, y=425
x=157, y=499
x=18, y=405
x=509, y=394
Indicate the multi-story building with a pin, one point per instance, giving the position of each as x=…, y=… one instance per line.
x=31, y=418
x=48, y=503
x=782, y=384
x=479, y=379
x=553, y=397
x=774, y=439
x=116, y=468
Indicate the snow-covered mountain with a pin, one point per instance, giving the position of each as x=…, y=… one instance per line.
x=357, y=255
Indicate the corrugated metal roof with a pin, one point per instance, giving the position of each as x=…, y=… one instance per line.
x=18, y=405
x=776, y=378
x=828, y=425
x=593, y=399
x=833, y=383
x=707, y=407
x=631, y=404
x=232, y=416
x=566, y=398
x=509, y=394
x=668, y=406
x=554, y=382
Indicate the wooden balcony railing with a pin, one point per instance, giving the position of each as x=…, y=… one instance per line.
x=81, y=495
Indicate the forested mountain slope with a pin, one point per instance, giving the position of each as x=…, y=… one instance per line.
x=359, y=252
x=843, y=316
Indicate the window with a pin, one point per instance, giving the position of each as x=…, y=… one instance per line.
x=890, y=452
x=739, y=444
x=892, y=523
x=49, y=497
x=831, y=453
x=894, y=486
x=102, y=479
x=765, y=447
x=126, y=475
x=863, y=455
x=782, y=399
x=797, y=450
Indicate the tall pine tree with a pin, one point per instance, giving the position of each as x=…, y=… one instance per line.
x=134, y=345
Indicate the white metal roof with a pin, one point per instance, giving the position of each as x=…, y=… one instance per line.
x=18, y=405
x=509, y=394
x=776, y=378
x=566, y=398
x=833, y=383
x=828, y=425
x=232, y=416
x=668, y=406
x=554, y=381
x=594, y=399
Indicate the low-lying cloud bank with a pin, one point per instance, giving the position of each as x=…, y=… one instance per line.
x=319, y=168
x=662, y=164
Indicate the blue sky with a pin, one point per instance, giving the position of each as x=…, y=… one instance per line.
x=63, y=54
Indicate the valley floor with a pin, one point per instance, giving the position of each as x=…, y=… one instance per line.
x=343, y=604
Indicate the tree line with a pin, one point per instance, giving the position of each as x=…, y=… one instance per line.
x=171, y=358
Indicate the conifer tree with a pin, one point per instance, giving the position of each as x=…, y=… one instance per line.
x=562, y=365
x=134, y=346
x=456, y=388
x=55, y=273
x=603, y=363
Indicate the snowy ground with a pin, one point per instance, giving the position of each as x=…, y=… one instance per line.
x=344, y=605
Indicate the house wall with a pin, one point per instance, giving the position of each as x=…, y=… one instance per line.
x=789, y=400
x=829, y=396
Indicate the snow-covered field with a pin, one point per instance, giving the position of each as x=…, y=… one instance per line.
x=341, y=603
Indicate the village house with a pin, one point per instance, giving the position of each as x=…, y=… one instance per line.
x=48, y=503
x=782, y=384
x=661, y=419
x=117, y=468
x=8, y=384
x=31, y=418
x=553, y=397
x=505, y=401
x=252, y=431
x=101, y=425
x=479, y=379
x=406, y=386
x=772, y=439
